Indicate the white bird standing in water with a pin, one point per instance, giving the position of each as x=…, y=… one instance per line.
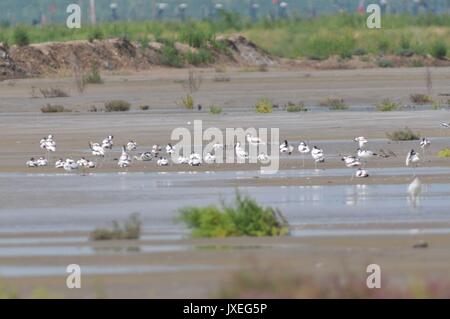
x=361, y=140
x=317, y=155
x=124, y=160
x=304, y=149
x=412, y=158
x=361, y=173
x=424, y=144
x=414, y=190
x=48, y=144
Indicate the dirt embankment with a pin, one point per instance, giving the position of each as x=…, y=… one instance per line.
x=116, y=54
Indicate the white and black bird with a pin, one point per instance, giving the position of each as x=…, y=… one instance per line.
x=424, y=145
x=303, y=149
x=156, y=149
x=318, y=156
x=210, y=158
x=195, y=159
x=42, y=162
x=70, y=165
x=254, y=140
x=445, y=125
x=286, y=148
x=412, y=158
x=125, y=159
x=170, y=149
x=183, y=160
x=60, y=163
x=361, y=173
x=263, y=158
x=132, y=146
x=97, y=149
x=240, y=152
x=362, y=141
x=365, y=154
x=162, y=161
x=31, y=162
x=108, y=143
x=144, y=157
x=351, y=161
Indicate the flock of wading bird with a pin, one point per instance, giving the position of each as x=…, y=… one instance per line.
x=100, y=150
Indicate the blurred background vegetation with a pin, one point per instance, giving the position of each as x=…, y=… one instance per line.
x=304, y=30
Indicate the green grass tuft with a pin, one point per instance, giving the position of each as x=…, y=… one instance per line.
x=245, y=218
x=445, y=153
x=264, y=106
x=130, y=229
x=117, y=106
x=388, y=105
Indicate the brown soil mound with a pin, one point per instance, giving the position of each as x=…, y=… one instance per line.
x=8, y=68
x=114, y=54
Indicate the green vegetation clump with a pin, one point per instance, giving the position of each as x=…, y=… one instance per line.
x=215, y=110
x=202, y=56
x=244, y=218
x=188, y=102
x=445, y=153
x=264, y=106
x=130, y=229
x=292, y=107
x=170, y=55
x=384, y=63
x=21, y=37
x=95, y=34
x=49, y=108
x=405, y=134
x=334, y=104
x=94, y=77
x=388, y=105
x=439, y=50
x=421, y=99
x=117, y=106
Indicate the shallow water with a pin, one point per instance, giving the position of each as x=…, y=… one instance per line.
x=61, y=202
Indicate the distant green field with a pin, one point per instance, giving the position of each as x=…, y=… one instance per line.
x=318, y=38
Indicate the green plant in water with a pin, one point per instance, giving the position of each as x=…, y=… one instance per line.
x=445, y=153
x=292, y=107
x=387, y=105
x=215, y=110
x=128, y=230
x=264, y=106
x=335, y=104
x=245, y=218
